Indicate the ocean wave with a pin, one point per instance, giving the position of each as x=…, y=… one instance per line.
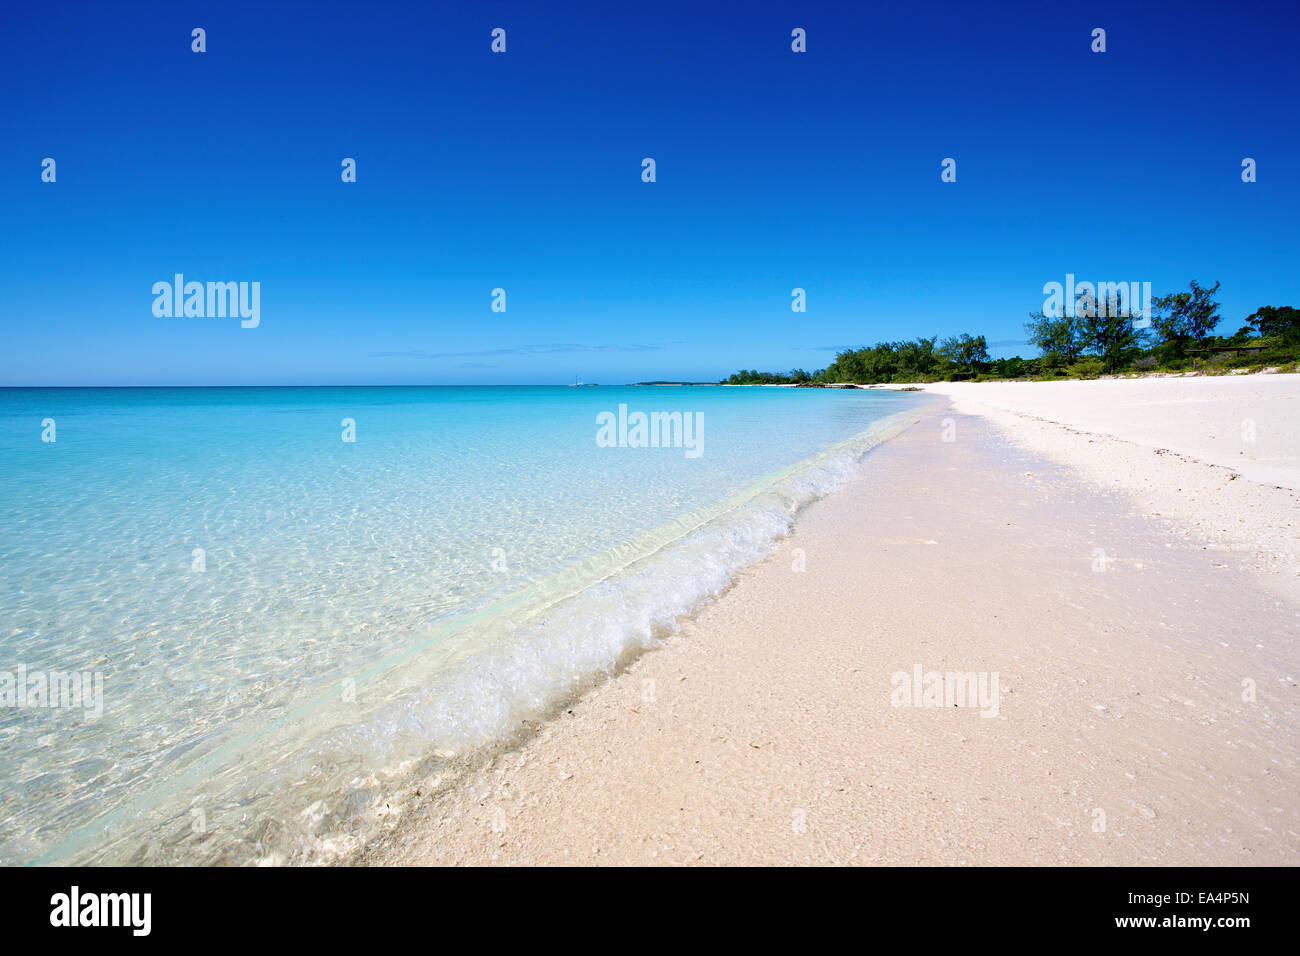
x=320, y=782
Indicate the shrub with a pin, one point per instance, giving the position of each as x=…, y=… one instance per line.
x=1089, y=366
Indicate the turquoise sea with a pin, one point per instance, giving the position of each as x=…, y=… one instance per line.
x=289, y=625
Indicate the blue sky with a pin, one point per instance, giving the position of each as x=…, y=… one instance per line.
x=522, y=171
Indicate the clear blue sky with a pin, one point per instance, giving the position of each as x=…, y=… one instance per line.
x=523, y=170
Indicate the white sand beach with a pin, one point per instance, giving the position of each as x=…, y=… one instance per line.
x=1124, y=556
x=1179, y=447
x=1249, y=423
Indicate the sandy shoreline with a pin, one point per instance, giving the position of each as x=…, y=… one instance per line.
x=1178, y=448
x=1146, y=672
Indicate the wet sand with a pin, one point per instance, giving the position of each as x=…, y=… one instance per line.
x=1146, y=709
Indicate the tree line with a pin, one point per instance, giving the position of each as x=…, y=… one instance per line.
x=1095, y=338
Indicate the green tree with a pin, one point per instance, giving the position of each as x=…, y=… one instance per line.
x=1112, y=338
x=967, y=352
x=917, y=360
x=1106, y=330
x=1056, y=335
x=1187, y=317
x=1282, y=322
